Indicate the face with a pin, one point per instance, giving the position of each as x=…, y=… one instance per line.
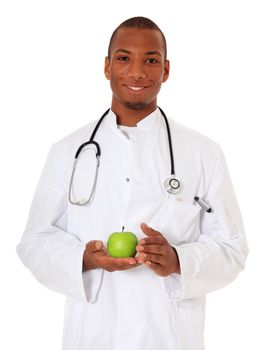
x=136, y=68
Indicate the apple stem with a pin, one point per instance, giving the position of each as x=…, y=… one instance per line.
x=123, y=228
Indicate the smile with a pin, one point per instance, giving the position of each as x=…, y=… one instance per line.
x=135, y=88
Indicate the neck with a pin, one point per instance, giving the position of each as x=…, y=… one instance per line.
x=130, y=117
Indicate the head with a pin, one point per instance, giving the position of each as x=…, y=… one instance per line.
x=136, y=64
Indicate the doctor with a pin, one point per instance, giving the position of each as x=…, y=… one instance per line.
x=155, y=300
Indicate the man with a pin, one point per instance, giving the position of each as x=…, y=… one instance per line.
x=156, y=299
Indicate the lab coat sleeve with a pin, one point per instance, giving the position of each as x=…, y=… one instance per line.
x=217, y=257
x=53, y=255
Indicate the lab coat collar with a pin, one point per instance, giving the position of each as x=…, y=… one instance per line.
x=150, y=122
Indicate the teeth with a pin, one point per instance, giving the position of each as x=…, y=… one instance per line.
x=136, y=88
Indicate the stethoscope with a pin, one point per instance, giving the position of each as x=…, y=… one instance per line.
x=172, y=184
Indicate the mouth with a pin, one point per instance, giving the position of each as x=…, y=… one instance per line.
x=136, y=88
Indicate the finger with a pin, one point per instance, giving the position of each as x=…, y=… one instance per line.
x=115, y=264
x=152, y=240
x=152, y=265
x=120, y=262
x=127, y=267
x=140, y=258
x=151, y=248
x=94, y=246
x=155, y=258
x=149, y=231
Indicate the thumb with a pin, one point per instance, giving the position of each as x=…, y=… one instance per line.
x=94, y=246
x=98, y=245
x=149, y=231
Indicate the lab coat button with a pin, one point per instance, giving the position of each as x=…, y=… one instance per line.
x=127, y=179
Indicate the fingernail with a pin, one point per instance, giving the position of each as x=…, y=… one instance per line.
x=98, y=245
x=142, y=241
x=131, y=262
x=139, y=248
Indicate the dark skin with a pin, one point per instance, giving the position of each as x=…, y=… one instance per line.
x=137, y=60
x=136, y=69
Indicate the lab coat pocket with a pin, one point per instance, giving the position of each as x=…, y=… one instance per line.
x=183, y=221
x=194, y=304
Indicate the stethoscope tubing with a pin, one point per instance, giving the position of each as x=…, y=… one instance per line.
x=172, y=170
x=91, y=140
x=171, y=185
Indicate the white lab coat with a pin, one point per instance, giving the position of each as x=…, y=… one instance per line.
x=135, y=309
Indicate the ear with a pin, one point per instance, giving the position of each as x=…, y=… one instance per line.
x=166, y=71
x=107, y=68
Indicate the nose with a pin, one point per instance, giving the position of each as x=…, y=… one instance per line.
x=136, y=71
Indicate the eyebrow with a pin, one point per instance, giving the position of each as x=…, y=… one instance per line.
x=122, y=50
x=147, y=53
x=153, y=53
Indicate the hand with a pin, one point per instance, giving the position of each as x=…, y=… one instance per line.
x=156, y=253
x=95, y=255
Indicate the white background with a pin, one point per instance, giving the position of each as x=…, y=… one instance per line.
x=52, y=82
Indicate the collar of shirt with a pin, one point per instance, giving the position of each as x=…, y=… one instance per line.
x=148, y=123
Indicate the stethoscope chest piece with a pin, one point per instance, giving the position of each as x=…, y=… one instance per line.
x=172, y=185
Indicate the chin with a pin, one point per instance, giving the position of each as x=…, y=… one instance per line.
x=135, y=105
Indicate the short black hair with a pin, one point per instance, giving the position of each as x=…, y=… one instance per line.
x=138, y=22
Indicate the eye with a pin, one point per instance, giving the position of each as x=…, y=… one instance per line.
x=152, y=61
x=122, y=58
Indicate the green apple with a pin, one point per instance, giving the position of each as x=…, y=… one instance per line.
x=122, y=244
